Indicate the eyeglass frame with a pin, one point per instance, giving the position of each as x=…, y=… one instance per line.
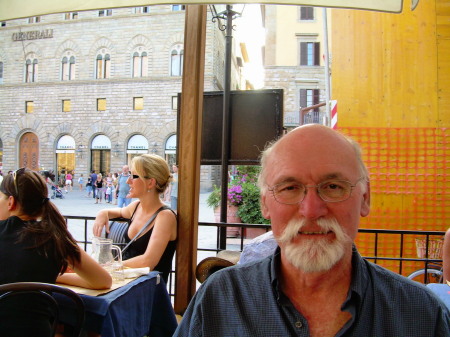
x=352, y=186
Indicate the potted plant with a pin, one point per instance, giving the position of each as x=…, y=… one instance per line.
x=243, y=200
x=234, y=199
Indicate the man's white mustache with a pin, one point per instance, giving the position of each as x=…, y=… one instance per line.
x=295, y=225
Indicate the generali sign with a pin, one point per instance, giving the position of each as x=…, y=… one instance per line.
x=33, y=35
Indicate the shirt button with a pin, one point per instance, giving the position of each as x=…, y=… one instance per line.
x=298, y=324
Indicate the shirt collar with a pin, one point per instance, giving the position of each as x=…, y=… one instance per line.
x=358, y=283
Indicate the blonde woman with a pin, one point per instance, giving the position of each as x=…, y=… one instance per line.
x=155, y=246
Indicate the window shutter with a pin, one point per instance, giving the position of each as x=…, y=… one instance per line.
x=303, y=13
x=317, y=53
x=303, y=53
x=316, y=98
x=303, y=98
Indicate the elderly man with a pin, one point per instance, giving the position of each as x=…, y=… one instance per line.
x=314, y=189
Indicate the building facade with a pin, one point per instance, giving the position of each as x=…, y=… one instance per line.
x=90, y=90
x=294, y=60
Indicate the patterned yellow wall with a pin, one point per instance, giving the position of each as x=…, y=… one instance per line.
x=391, y=78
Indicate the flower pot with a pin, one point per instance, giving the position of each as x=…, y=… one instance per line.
x=251, y=233
x=232, y=217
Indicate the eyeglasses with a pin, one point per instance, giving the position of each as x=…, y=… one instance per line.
x=15, y=174
x=291, y=193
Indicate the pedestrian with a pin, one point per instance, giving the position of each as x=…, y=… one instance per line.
x=68, y=184
x=99, y=188
x=314, y=189
x=93, y=182
x=108, y=192
x=89, y=186
x=81, y=181
x=173, y=189
x=123, y=188
x=62, y=179
x=114, y=189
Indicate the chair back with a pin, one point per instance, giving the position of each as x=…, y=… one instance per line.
x=44, y=290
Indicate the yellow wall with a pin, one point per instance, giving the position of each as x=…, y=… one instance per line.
x=391, y=78
x=390, y=69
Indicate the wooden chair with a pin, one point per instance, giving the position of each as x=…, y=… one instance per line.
x=44, y=290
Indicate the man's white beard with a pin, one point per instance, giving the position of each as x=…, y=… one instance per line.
x=314, y=254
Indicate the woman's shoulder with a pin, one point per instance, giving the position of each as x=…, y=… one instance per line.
x=167, y=214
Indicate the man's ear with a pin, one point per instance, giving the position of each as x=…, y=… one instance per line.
x=365, y=201
x=264, y=210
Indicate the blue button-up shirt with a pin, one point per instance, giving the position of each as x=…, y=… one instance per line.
x=245, y=300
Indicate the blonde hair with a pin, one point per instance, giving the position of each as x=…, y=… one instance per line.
x=153, y=166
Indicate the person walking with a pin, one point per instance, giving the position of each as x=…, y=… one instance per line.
x=68, y=185
x=93, y=182
x=123, y=188
x=173, y=189
x=98, y=188
x=89, y=186
x=81, y=181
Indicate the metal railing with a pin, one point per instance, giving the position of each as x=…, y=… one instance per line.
x=403, y=259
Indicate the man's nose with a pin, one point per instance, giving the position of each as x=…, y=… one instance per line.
x=312, y=206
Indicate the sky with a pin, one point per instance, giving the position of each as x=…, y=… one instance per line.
x=249, y=29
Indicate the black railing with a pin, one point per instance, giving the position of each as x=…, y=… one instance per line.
x=402, y=238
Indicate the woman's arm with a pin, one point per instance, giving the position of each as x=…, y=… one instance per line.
x=446, y=256
x=103, y=216
x=165, y=230
x=87, y=274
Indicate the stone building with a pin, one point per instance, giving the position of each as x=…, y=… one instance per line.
x=89, y=90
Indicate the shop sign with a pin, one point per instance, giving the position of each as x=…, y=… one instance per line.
x=33, y=35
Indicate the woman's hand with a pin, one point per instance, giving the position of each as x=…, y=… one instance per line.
x=101, y=220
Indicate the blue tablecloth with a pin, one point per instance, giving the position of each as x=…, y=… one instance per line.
x=442, y=291
x=142, y=307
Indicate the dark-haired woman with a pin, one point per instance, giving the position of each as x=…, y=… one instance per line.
x=35, y=246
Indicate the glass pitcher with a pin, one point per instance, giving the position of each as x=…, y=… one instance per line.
x=102, y=251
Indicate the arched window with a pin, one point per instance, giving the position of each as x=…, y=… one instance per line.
x=176, y=60
x=103, y=66
x=140, y=64
x=68, y=68
x=31, y=69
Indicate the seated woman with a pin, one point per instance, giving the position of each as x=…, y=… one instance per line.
x=155, y=246
x=35, y=246
x=446, y=256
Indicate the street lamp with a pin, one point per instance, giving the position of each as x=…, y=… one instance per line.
x=228, y=15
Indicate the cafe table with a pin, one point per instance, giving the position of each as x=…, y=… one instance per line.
x=137, y=308
x=442, y=291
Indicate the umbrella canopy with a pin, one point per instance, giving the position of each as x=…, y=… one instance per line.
x=14, y=9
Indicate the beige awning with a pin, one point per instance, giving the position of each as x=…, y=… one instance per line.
x=13, y=9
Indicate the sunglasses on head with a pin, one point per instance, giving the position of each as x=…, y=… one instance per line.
x=15, y=175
